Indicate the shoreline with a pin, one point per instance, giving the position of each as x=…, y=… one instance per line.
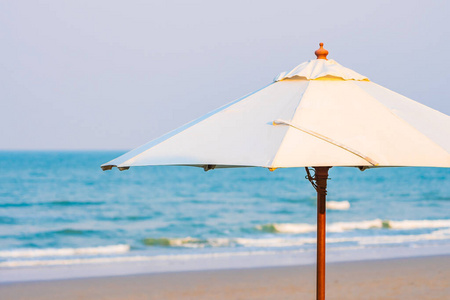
x=400, y=278
x=139, y=264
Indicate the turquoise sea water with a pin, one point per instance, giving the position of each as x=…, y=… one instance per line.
x=60, y=208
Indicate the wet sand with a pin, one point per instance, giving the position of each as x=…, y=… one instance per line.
x=408, y=278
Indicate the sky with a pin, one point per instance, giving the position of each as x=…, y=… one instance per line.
x=91, y=74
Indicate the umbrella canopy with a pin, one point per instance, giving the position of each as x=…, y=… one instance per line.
x=318, y=114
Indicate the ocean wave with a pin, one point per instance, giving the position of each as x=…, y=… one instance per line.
x=280, y=242
x=292, y=228
x=64, y=232
x=189, y=242
x=173, y=242
x=50, y=252
x=15, y=204
x=72, y=203
x=71, y=231
x=348, y=226
x=51, y=203
x=7, y=220
x=272, y=245
x=417, y=224
x=338, y=205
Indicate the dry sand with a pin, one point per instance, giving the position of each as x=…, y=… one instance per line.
x=410, y=278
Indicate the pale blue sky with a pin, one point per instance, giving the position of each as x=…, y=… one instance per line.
x=116, y=74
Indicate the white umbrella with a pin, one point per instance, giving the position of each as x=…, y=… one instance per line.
x=320, y=114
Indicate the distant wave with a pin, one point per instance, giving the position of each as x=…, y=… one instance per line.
x=361, y=225
x=66, y=231
x=71, y=231
x=7, y=220
x=15, y=204
x=189, y=242
x=338, y=205
x=72, y=203
x=172, y=241
x=50, y=252
x=51, y=203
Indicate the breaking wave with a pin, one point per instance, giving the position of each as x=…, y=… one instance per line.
x=279, y=242
x=338, y=205
x=271, y=245
x=188, y=242
x=347, y=226
x=252, y=246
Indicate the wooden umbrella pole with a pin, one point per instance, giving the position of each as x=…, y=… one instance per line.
x=321, y=177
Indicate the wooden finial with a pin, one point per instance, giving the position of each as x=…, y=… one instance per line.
x=321, y=53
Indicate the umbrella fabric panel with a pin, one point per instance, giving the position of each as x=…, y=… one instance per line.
x=344, y=112
x=141, y=149
x=300, y=149
x=430, y=122
x=322, y=111
x=241, y=134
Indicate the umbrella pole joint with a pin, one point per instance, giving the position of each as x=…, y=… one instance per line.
x=319, y=182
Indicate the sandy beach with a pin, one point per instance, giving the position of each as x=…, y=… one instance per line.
x=407, y=278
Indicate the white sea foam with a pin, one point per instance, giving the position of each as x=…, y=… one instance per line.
x=360, y=225
x=230, y=242
x=187, y=242
x=338, y=205
x=51, y=252
x=417, y=224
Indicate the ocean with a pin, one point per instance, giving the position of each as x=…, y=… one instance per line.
x=60, y=208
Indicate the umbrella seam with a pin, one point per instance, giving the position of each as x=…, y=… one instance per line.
x=397, y=116
x=329, y=140
x=272, y=163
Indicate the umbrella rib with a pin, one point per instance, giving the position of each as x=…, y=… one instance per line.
x=327, y=139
